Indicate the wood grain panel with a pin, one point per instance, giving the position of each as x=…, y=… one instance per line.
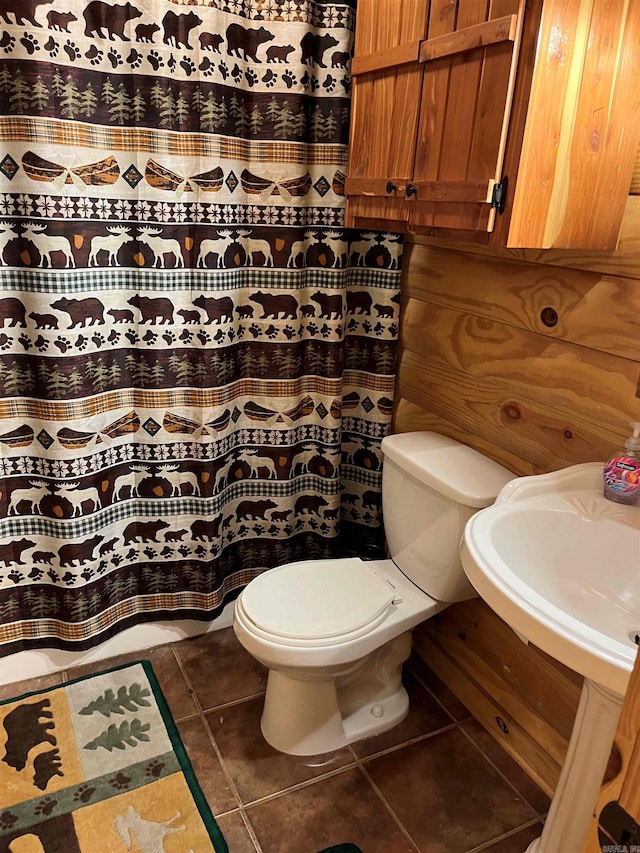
x=467, y=191
x=410, y=417
x=543, y=168
x=489, y=139
x=622, y=261
x=600, y=312
x=464, y=80
x=597, y=132
x=538, y=681
x=501, y=691
x=455, y=125
x=383, y=24
x=497, y=676
x=550, y=372
x=527, y=53
x=478, y=364
x=442, y=20
x=478, y=35
x=472, y=119
x=385, y=106
x=542, y=436
x=381, y=59
x=574, y=190
x=507, y=729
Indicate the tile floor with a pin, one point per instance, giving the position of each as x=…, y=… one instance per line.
x=437, y=783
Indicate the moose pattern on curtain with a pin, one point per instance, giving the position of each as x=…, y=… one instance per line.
x=196, y=359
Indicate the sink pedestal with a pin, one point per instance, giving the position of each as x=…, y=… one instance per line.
x=591, y=738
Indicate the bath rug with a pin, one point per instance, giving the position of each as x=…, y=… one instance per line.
x=97, y=764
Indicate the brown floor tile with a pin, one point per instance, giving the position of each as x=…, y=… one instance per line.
x=207, y=768
x=219, y=669
x=509, y=768
x=516, y=843
x=442, y=693
x=236, y=833
x=332, y=811
x=166, y=669
x=30, y=685
x=425, y=715
x=256, y=768
x=446, y=794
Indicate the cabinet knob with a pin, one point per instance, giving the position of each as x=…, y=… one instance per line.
x=411, y=190
x=391, y=187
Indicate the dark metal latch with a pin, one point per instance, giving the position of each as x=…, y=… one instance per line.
x=499, y=197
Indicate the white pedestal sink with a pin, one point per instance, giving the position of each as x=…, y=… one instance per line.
x=561, y=565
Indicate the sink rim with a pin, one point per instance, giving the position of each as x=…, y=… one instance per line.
x=570, y=640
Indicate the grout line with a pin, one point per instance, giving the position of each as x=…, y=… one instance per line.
x=410, y=742
x=228, y=812
x=301, y=785
x=192, y=693
x=247, y=824
x=201, y=709
x=355, y=761
x=227, y=774
x=488, y=844
x=185, y=719
x=203, y=719
x=499, y=772
x=391, y=812
x=233, y=702
x=250, y=830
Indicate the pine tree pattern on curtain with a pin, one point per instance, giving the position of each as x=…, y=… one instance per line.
x=196, y=359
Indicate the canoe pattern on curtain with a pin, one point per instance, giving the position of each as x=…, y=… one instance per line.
x=197, y=360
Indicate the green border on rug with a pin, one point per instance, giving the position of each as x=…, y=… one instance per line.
x=199, y=798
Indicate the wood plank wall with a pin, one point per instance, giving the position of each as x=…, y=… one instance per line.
x=533, y=358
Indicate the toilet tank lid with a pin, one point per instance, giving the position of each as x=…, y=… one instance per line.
x=316, y=599
x=452, y=469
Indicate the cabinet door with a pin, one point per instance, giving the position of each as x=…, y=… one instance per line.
x=470, y=62
x=387, y=79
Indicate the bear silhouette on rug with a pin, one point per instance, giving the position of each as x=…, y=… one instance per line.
x=48, y=833
x=27, y=726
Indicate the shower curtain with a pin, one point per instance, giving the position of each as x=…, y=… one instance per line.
x=196, y=359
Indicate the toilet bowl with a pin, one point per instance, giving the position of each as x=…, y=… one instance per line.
x=334, y=675
x=335, y=633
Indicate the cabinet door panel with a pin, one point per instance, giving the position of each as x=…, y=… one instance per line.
x=442, y=20
x=573, y=193
x=465, y=74
x=462, y=146
x=385, y=111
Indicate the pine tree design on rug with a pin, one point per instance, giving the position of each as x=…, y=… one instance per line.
x=109, y=786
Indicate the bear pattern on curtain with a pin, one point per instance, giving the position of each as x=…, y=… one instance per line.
x=197, y=360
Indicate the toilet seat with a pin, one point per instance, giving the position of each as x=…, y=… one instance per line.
x=316, y=603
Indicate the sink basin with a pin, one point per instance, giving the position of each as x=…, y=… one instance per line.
x=561, y=565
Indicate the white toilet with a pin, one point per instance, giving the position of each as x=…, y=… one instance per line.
x=335, y=633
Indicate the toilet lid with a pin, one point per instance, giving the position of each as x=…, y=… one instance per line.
x=316, y=599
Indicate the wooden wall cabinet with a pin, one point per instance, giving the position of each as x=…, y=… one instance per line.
x=508, y=122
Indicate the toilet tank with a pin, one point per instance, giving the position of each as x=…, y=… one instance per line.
x=431, y=486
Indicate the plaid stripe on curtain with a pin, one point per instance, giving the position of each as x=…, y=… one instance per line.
x=196, y=359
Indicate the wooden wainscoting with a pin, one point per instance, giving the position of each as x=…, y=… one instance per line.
x=533, y=358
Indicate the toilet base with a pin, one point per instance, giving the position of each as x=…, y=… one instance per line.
x=311, y=717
